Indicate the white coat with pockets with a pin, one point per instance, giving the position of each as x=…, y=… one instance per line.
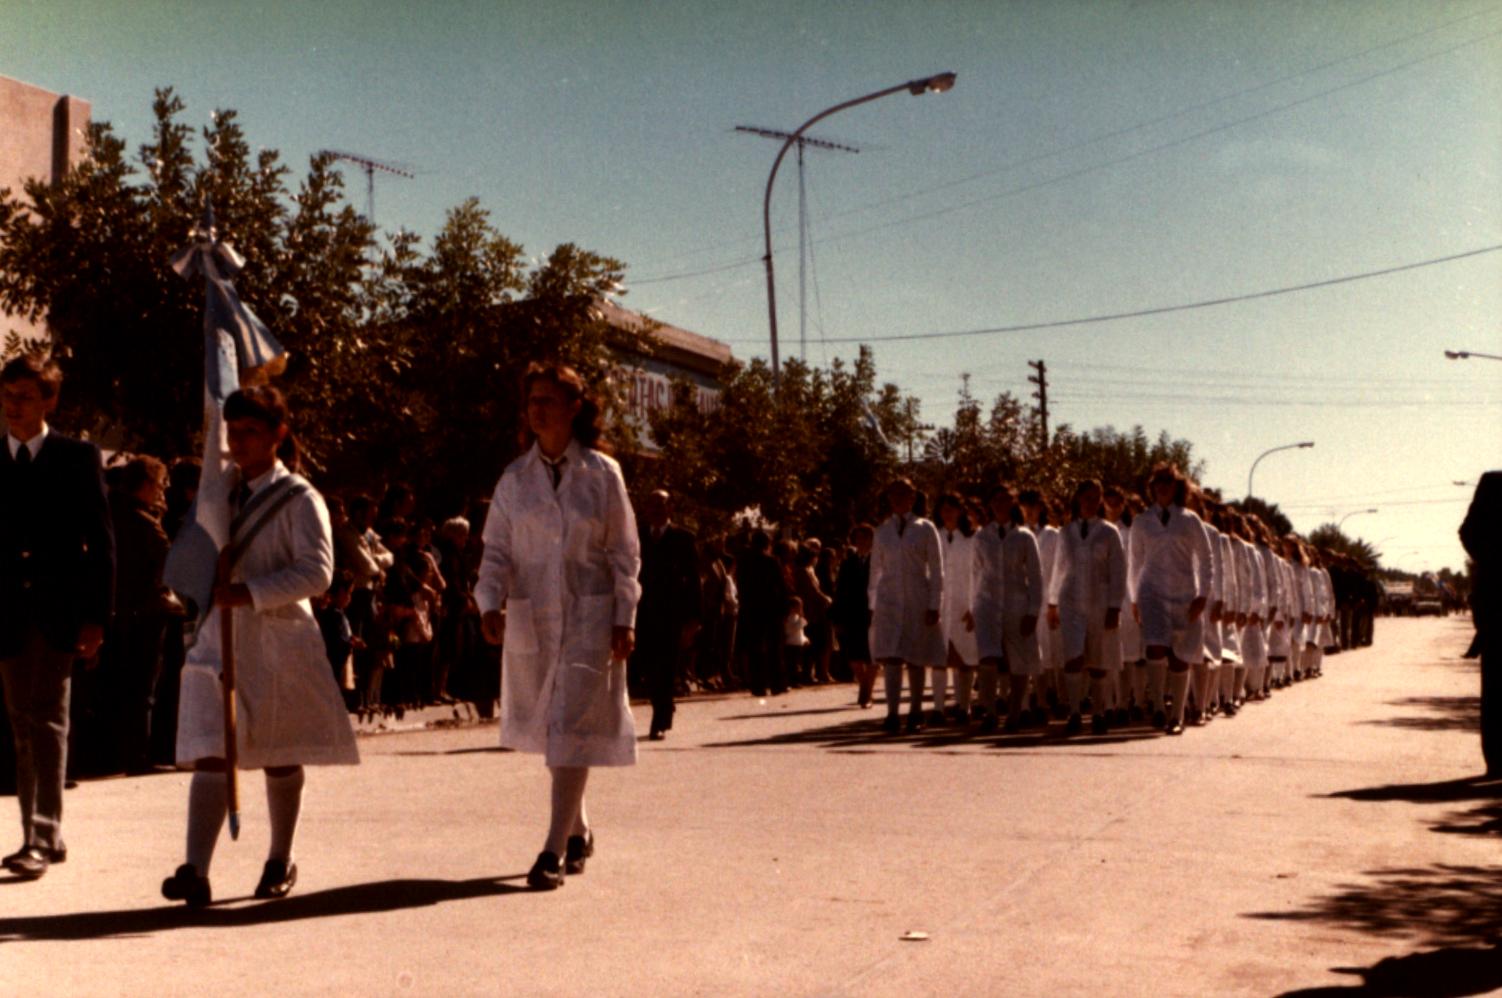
x=907, y=583
x=564, y=564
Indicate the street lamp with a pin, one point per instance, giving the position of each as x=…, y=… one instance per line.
x=1358, y=512
x=1249, y=474
x=1467, y=355
x=930, y=84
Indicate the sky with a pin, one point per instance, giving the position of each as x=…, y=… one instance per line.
x=1093, y=159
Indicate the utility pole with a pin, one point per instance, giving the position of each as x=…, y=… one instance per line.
x=1041, y=380
x=805, y=249
x=370, y=166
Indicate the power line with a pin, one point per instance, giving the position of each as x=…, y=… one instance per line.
x=1080, y=144
x=1106, y=164
x=1161, y=309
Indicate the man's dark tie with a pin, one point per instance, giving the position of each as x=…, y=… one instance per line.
x=901, y=525
x=241, y=495
x=555, y=468
x=1163, y=516
x=23, y=455
x=1084, y=529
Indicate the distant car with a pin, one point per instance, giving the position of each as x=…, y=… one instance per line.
x=1428, y=608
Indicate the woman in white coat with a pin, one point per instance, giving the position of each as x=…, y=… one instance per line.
x=958, y=541
x=906, y=594
x=1007, y=603
x=562, y=558
x=1084, y=603
x=289, y=711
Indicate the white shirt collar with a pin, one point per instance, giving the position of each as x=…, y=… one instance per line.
x=34, y=445
x=265, y=478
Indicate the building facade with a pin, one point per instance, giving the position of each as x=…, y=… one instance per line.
x=42, y=134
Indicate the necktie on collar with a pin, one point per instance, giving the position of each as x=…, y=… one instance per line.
x=241, y=495
x=1084, y=529
x=555, y=468
x=23, y=455
x=901, y=525
x=1163, y=516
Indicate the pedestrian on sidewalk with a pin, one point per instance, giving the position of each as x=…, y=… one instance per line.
x=562, y=557
x=851, y=611
x=668, y=618
x=291, y=712
x=56, y=587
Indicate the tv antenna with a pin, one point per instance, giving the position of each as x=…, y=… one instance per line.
x=803, y=241
x=370, y=166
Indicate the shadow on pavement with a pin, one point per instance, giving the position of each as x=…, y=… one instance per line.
x=1445, y=714
x=385, y=895
x=1485, y=818
x=1439, y=905
x=865, y=734
x=1443, y=973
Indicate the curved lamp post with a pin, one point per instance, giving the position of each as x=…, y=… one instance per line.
x=930, y=84
x=1249, y=474
x=1468, y=354
x=1357, y=512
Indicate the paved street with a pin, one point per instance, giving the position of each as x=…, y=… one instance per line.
x=785, y=847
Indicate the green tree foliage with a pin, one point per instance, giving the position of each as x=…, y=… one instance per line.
x=1328, y=537
x=402, y=363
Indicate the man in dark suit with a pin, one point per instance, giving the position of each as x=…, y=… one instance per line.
x=56, y=587
x=667, y=618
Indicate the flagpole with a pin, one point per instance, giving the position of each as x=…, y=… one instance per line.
x=227, y=684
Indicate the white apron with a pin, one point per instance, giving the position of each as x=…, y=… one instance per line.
x=289, y=712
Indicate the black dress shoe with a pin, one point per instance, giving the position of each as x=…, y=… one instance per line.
x=1174, y=727
x=914, y=723
x=989, y=723
x=277, y=879
x=52, y=856
x=1075, y=725
x=1098, y=725
x=1160, y=719
x=656, y=735
x=29, y=863
x=546, y=874
x=186, y=885
x=580, y=848
x=892, y=725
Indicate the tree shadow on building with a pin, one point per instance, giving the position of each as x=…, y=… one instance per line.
x=1452, y=908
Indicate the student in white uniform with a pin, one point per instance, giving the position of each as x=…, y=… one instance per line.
x=1036, y=517
x=1171, y=567
x=907, y=591
x=1254, y=634
x=1131, y=678
x=958, y=540
x=1207, y=668
x=1085, y=597
x=290, y=712
x=1008, y=600
x=1324, y=613
x=562, y=557
x=1300, y=658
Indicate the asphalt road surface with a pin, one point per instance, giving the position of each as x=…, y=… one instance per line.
x=1335, y=838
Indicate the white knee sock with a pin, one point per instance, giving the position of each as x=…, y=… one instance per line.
x=891, y=676
x=1098, y=697
x=283, y=802
x=1238, y=682
x=964, y=681
x=941, y=688
x=208, y=803
x=1178, y=688
x=1157, y=672
x=915, y=691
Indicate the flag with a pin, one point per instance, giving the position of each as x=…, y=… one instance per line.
x=872, y=423
x=237, y=347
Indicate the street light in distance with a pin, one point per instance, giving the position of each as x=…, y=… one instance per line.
x=1468, y=354
x=1357, y=512
x=1274, y=450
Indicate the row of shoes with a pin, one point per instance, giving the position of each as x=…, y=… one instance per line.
x=186, y=884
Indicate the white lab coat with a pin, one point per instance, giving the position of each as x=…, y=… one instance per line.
x=1049, y=644
x=564, y=564
x=289, y=711
x=1324, y=598
x=959, y=589
x=1008, y=587
x=907, y=582
x=1230, y=634
x=1171, y=564
x=1089, y=578
x=1254, y=634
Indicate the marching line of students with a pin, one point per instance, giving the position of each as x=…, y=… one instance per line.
x=1170, y=613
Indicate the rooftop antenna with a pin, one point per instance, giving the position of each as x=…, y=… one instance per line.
x=370, y=166
x=802, y=140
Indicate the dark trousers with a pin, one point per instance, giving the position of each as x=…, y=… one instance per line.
x=764, y=666
x=36, y=684
x=656, y=658
x=133, y=661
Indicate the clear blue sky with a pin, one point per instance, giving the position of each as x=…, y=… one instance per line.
x=1093, y=159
